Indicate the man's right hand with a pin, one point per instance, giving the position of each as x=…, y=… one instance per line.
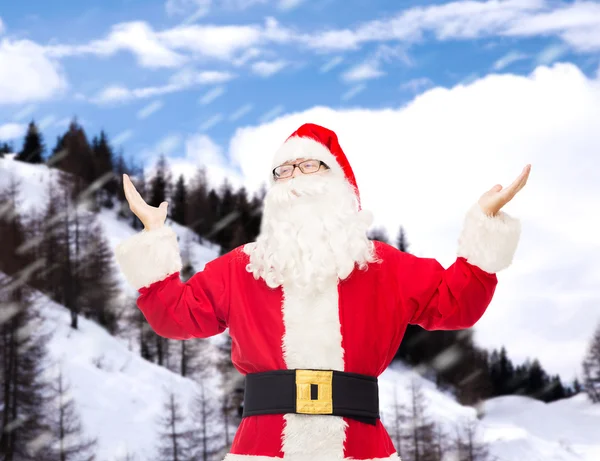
x=151, y=217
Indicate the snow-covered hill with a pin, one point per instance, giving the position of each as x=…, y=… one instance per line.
x=120, y=396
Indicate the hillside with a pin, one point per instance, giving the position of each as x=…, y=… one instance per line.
x=120, y=396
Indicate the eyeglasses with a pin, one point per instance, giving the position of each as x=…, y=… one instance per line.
x=307, y=167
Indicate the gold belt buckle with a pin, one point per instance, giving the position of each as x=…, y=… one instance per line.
x=323, y=405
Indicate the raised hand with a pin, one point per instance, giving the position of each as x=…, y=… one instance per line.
x=152, y=217
x=493, y=200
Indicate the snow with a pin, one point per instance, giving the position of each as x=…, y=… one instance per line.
x=120, y=396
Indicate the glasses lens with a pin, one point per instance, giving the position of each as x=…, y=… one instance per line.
x=283, y=171
x=310, y=166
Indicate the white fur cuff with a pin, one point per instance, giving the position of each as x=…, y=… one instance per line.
x=489, y=242
x=149, y=256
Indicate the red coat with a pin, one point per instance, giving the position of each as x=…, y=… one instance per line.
x=356, y=327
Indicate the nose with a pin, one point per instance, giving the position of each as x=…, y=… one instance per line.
x=296, y=172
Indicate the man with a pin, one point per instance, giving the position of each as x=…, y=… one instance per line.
x=316, y=310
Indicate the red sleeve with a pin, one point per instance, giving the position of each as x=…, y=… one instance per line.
x=198, y=308
x=455, y=298
x=444, y=299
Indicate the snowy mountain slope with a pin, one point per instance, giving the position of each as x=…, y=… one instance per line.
x=516, y=428
x=120, y=396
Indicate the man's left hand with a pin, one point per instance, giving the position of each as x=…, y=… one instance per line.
x=493, y=200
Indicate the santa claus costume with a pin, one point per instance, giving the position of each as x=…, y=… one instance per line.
x=316, y=311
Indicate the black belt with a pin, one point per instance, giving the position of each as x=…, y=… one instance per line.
x=313, y=392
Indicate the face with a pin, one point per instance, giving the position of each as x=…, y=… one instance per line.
x=297, y=171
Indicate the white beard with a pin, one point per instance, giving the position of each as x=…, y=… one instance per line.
x=308, y=239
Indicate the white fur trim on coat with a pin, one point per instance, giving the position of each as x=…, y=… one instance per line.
x=231, y=457
x=489, y=242
x=305, y=147
x=149, y=256
x=313, y=340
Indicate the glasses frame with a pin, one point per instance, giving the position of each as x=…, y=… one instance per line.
x=294, y=165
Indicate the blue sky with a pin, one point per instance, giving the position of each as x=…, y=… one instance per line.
x=434, y=103
x=276, y=58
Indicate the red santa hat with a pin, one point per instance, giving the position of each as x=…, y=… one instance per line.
x=314, y=141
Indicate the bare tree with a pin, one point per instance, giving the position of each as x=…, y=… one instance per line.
x=468, y=444
x=205, y=416
x=68, y=442
x=175, y=437
x=591, y=368
x=419, y=438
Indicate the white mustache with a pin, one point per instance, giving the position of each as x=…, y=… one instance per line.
x=303, y=186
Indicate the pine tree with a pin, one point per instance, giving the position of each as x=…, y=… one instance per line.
x=13, y=258
x=379, y=234
x=159, y=184
x=591, y=368
x=23, y=392
x=6, y=148
x=141, y=186
x=198, y=213
x=401, y=241
x=99, y=286
x=104, y=175
x=537, y=379
x=68, y=440
x=175, y=436
x=502, y=373
x=74, y=156
x=227, y=217
x=178, y=208
x=33, y=146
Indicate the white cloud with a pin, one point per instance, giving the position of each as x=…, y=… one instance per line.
x=1, y=26
x=158, y=49
x=268, y=68
x=212, y=121
x=211, y=95
x=436, y=155
x=149, y=109
x=550, y=54
x=27, y=73
x=10, y=131
x=353, y=91
x=196, y=9
x=240, y=112
x=271, y=114
x=201, y=150
x=508, y=59
x=137, y=37
x=182, y=80
x=289, y=4
x=46, y=122
x=122, y=137
x=364, y=71
x=168, y=144
x=334, y=62
x=24, y=112
x=416, y=84
x=578, y=24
